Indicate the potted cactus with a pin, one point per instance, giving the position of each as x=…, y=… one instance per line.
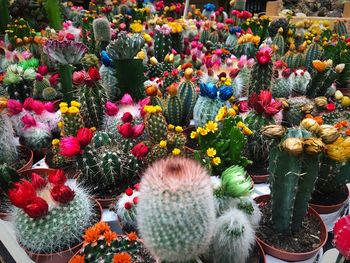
x=50, y=214
x=293, y=165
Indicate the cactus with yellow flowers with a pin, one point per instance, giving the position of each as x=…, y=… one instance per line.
x=155, y=123
x=71, y=120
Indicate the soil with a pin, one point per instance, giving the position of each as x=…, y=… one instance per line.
x=23, y=158
x=257, y=169
x=306, y=239
x=330, y=198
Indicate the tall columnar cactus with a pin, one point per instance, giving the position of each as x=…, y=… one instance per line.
x=313, y=52
x=294, y=60
x=155, y=123
x=53, y=10
x=102, y=33
x=4, y=15
x=174, y=110
x=188, y=96
x=8, y=154
x=248, y=49
x=340, y=28
x=262, y=71
x=293, y=174
x=60, y=228
x=278, y=40
x=175, y=213
x=162, y=42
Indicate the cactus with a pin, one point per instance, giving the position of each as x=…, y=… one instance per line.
x=294, y=61
x=127, y=213
x=8, y=144
x=71, y=121
x=295, y=112
x=90, y=60
x=248, y=49
x=53, y=10
x=177, y=42
x=313, y=52
x=109, y=80
x=281, y=88
x=49, y=93
x=39, y=86
x=162, y=45
x=5, y=15
x=93, y=99
x=278, y=40
x=321, y=82
x=174, y=110
x=261, y=77
x=175, y=213
x=299, y=81
x=214, y=37
x=292, y=182
x=102, y=33
x=231, y=41
x=156, y=126
x=37, y=137
x=8, y=176
x=234, y=238
x=60, y=228
x=340, y=28
x=188, y=96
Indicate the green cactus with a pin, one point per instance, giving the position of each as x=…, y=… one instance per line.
x=292, y=182
x=188, y=96
x=321, y=82
x=71, y=123
x=294, y=114
x=173, y=112
x=8, y=176
x=8, y=144
x=176, y=219
x=204, y=36
x=248, y=49
x=125, y=47
x=53, y=10
x=214, y=37
x=340, y=28
x=177, y=42
x=206, y=110
x=5, y=15
x=176, y=140
x=156, y=152
x=61, y=228
x=90, y=60
x=156, y=126
x=155, y=70
x=93, y=99
x=109, y=80
x=231, y=41
x=49, y=93
x=261, y=77
x=102, y=33
x=39, y=86
x=162, y=45
x=313, y=52
x=281, y=88
x=299, y=81
x=278, y=40
x=294, y=61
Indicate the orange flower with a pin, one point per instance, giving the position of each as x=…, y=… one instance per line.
x=77, y=259
x=122, y=257
x=309, y=116
x=102, y=227
x=338, y=126
x=320, y=66
x=132, y=236
x=92, y=234
x=318, y=119
x=344, y=123
x=110, y=236
x=347, y=132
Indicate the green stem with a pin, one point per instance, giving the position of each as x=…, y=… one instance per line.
x=54, y=13
x=4, y=15
x=66, y=82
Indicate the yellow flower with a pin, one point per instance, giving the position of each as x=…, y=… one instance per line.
x=216, y=161
x=141, y=55
x=55, y=142
x=63, y=105
x=171, y=127
x=147, y=38
x=93, y=129
x=176, y=151
x=211, y=152
x=63, y=110
x=158, y=108
x=219, y=117
x=194, y=135
x=202, y=131
x=222, y=111
x=75, y=104
x=163, y=143
x=247, y=131
x=136, y=27
x=211, y=126
x=240, y=125
x=179, y=129
x=339, y=150
x=231, y=112
x=60, y=124
x=73, y=110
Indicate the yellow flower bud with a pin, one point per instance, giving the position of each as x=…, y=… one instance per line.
x=163, y=143
x=55, y=142
x=176, y=151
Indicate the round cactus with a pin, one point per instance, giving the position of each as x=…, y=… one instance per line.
x=176, y=213
x=39, y=86
x=49, y=93
x=37, y=137
x=90, y=60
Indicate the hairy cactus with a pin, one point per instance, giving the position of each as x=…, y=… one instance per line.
x=102, y=33
x=298, y=107
x=233, y=239
x=109, y=80
x=156, y=125
x=293, y=174
x=60, y=228
x=313, y=52
x=49, y=93
x=126, y=208
x=8, y=144
x=299, y=81
x=175, y=213
x=162, y=44
x=39, y=85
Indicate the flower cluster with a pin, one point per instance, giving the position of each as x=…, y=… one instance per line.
x=38, y=196
x=249, y=38
x=264, y=55
x=89, y=78
x=264, y=103
x=72, y=145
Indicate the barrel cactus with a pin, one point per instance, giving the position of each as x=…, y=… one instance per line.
x=155, y=123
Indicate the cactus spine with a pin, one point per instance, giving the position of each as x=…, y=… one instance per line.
x=292, y=182
x=39, y=86
x=175, y=213
x=340, y=28
x=162, y=45
x=156, y=126
x=174, y=110
x=281, y=88
x=8, y=153
x=278, y=40
x=261, y=77
x=294, y=61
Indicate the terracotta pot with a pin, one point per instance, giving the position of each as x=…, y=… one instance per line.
x=70, y=169
x=62, y=256
x=262, y=257
x=328, y=209
x=107, y=202
x=259, y=179
x=291, y=256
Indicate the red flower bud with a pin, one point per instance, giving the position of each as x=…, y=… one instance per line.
x=43, y=70
x=128, y=205
x=140, y=150
x=62, y=194
x=111, y=108
x=127, y=117
x=94, y=74
x=69, y=146
x=36, y=207
x=57, y=177
x=37, y=181
x=136, y=187
x=54, y=79
x=84, y=136
x=125, y=130
x=129, y=191
x=21, y=193
x=341, y=232
x=137, y=130
x=330, y=107
x=135, y=200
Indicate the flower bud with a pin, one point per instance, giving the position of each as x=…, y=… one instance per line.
x=307, y=108
x=313, y=146
x=310, y=124
x=294, y=146
x=153, y=61
x=338, y=95
x=321, y=102
x=339, y=68
x=273, y=131
x=328, y=133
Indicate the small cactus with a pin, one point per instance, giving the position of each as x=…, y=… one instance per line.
x=90, y=60
x=49, y=93
x=155, y=123
x=40, y=84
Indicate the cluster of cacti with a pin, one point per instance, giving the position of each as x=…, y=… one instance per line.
x=162, y=42
x=102, y=33
x=340, y=28
x=157, y=69
x=58, y=229
x=299, y=81
x=281, y=88
x=7, y=140
x=175, y=213
x=125, y=46
x=71, y=120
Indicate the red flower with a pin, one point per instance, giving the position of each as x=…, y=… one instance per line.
x=28, y=121
x=243, y=106
x=14, y=107
x=341, y=239
x=330, y=107
x=78, y=77
x=263, y=56
x=137, y=187
x=27, y=104
x=264, y=103
x=94, y=74
x=137, y=130
x=111, y=108
x=128, y=205
x=37, y=106
x=84, y=136
x=140, y=150
x=37, y=181
x=50, y=107
x=125, y=130
x=62, y=194
x=54, y=79
x=69, y=146
x=129, y=191
x=43, y=70
x=36, y=207
x=70, y=36
x=21, y=192
x=39, y=77
x=127, y=117
x=135, y=200
x=286, y=73
x=279, y=64
x=57, y=177
x=234, y=72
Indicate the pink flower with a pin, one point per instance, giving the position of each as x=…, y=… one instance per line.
x=137, y=130
x=54, y=79
x=69, y=146
x=78, y=77
x=263, y=56
x=14, y=107
x=38, y=107
x=111, y=108
x=39, y=77
x=70, y=36
x=28, y=121
x=279, y=64
x=42, y=69
x=264, y=103
x=37, y=181
x=27, y=104
x=243, y=106
x=57, y=177
x=50, y=107
x=126, y=99
x=27, y=54
x=36, y=207
x=84, y=136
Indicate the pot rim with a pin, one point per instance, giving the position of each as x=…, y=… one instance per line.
x=337, y=205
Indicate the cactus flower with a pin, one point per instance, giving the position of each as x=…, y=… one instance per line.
x=111, y=108
x=264, y=55
x=140, y=150
x=294, y=146
x=137, y=130
x=84, y=136
x=235, y=182
x=37, y=181
x=62, y=194
x=21, y=193
x=36, y=207
x=125, y=130
x=341, y=239
x=69, y=146
x=57, y=177
x=14, y=107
